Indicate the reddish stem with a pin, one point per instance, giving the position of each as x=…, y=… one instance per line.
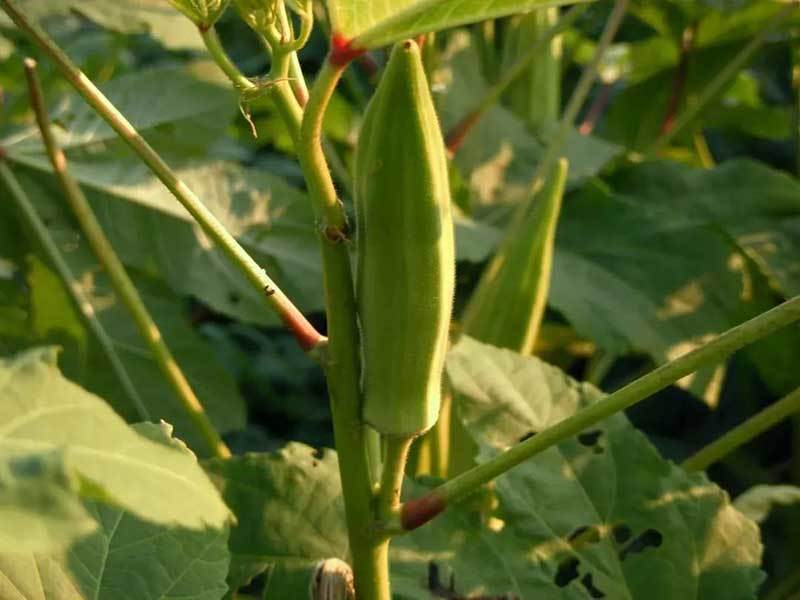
x=595, y=110
x=679, y=82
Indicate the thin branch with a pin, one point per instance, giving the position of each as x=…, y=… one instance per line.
x=79, y=297
x=421, y=510
x=679, y=80
x=307, y=337
x=722, y=79
x=596, y=109
x=742, y=434
x=458, y=133
x=224, y=62
x=122, y=284
x=394, y=467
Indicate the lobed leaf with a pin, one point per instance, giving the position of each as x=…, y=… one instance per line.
x=601, y=515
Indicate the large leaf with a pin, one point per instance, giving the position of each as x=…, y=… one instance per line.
x=288, y=507
x=600, y=515
x=125, y=558
x=371, y=23
x=44, y=414
x=152, y=232
x=138, y=213
x=193, y=109
x=670, y=257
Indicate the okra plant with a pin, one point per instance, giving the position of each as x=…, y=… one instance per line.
x=427, y=227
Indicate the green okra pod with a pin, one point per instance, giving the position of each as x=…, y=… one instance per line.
x=405, y=249
x=508, y=304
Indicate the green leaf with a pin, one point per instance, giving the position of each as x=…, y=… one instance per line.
x=194, y=109
x=270, y=218
x=43, y=413
x=370, y=23
x=288, y=507
x=125, y=558
x=690, y=252
x=601, y=513
x=757, y=502
x=39, y=506
x=53, y=318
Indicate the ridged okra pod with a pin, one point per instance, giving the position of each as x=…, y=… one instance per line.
x=507, y=307
x=405, y=249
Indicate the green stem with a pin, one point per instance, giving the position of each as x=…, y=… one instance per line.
x=721, y=79
x=79, y=297
x=457, y=134
x=307, y=337
x=369, y=550
x=421, y=510
x=120, y=281
x=394, y=468
x=327, y=207
x=742, y=434
x=218, y=54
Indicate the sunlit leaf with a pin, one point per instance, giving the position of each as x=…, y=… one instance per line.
x=41, y=412
x=600, y=515
x=371, y=23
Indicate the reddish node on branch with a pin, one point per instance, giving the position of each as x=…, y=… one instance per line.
x=304, y=333
x=343, y=51
x=419, y=511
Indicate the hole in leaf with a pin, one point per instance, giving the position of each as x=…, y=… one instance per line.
x=527, y=436
x=589, y=438
x=567, y=571
x=622, y=533
x=649, y=539
x=587, y=583
x=233, y=298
